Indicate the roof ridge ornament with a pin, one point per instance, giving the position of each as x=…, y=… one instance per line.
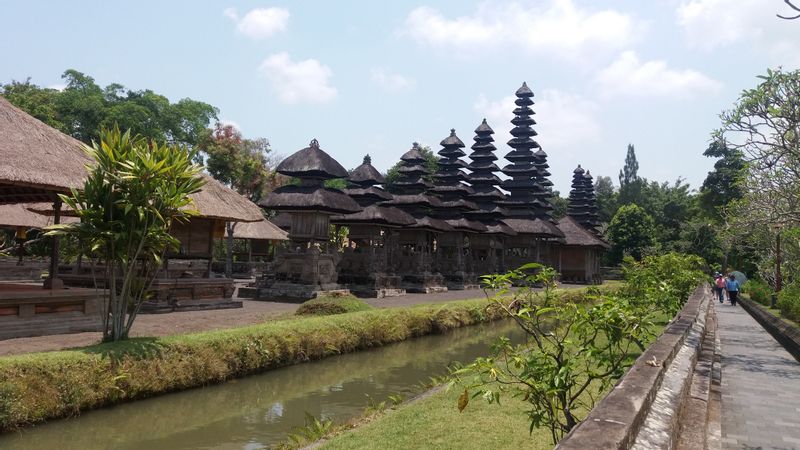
x=314, y=143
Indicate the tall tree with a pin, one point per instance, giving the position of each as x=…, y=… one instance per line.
x=607, y=202
x=559, y=204
x=243, y=165
x=630, y=185
x=631, y=232
x=723, y=184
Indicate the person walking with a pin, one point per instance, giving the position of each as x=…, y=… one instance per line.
x=732, y=286
x=719, y=286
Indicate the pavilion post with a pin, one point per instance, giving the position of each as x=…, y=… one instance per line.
x=52, y=281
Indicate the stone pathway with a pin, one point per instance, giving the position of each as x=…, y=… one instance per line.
x=760, y=385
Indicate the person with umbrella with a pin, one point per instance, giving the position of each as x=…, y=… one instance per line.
x=732, y=286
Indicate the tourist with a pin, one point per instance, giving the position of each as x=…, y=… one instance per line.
x=719, y=286
x=732, y=286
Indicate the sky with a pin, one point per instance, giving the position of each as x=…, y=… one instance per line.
x=371, y=77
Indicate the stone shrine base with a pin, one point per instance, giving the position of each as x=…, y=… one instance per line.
x=296, y=293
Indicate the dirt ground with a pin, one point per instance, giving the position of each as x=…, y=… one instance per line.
x=252, y=312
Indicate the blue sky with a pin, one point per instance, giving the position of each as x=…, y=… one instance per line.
x=372, y=77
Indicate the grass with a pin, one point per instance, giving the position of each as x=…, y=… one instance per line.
x=434, y=422
x=328, y=305
x=775, y=312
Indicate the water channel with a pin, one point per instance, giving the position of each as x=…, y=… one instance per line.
x=260, y=410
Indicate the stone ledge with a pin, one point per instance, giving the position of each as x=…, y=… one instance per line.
x=783, y=332
x=615, y=422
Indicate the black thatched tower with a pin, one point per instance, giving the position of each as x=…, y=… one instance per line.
x=308, y=266
x=487, y=248
x=453, y=253
x=366, y=265
x=582, y=203
x=417, y=243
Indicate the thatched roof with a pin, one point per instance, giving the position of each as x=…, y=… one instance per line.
x=263, y=229
x=576, y=234
x=429, y=223
x=217, y=201
x=463, y=224
x=538, y=227
x=377, y=215
x=19, y=215
x=36, y=160
x=309, y=198
x=214, y=201
x=311, y=162
x=366, y=174
x=500, y=228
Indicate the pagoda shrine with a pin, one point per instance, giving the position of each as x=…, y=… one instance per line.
x=488, y=247
x=453, y=254
x=529, y=210
x=366, y=267
x=582, y=250
x=307, y=267
x=417, y=244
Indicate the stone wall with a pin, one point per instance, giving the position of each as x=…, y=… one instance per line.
x=644, y=407
x=783, y=332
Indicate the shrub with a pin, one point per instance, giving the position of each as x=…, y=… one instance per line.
x=789, y=302
x=327, y=305
x=758, y=291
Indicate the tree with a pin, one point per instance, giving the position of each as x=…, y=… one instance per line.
x=630, y=185
x=559, y=204
x=243, y=165
x=431, y=163
x=606, y=195
x=83, y=108
x=631, y=232
x=133, y=194
x=724, y=184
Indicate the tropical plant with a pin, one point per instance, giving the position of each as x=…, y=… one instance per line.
x=133, y=194
x=631, y=231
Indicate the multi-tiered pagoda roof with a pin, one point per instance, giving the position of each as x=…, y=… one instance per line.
x=529, y=210
x=582, y=201
x=449, y=187
x=410, y=191
x=365, y=181
x=312, y=166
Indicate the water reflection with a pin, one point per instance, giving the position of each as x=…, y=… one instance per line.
x=260, y=410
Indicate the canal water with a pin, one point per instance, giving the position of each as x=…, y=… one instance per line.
x=261, y=410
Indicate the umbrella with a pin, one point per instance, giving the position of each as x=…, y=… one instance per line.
x=740, y=277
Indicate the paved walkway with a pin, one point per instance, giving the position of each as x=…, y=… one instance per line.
x=760, y=385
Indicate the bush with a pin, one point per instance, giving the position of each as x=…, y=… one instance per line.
x=789, y=302
x=758, y=291
x=327, y=305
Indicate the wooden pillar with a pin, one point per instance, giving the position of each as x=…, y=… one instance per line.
x=52, y=281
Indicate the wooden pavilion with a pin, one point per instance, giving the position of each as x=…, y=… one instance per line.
x=261, y=238
x=367, y=266
x=38, y=163
x=308, y=266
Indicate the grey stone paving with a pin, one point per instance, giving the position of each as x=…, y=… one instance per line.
x=760, y=385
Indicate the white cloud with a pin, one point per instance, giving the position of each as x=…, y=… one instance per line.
x=627, y=75
x=561, y=28
x=391, y=81
x=225, y=122
x=259, y=23
x=565, y=121
x=306, y=81
x=57, y=86
x=709, y=24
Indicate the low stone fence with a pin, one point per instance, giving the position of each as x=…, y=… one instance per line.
x=32, y=311
x=783, y=332
x=643, y=410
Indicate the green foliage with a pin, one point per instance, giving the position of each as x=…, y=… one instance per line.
x=630, y=184
x=758, y=291
x=313, y=430
x=559, y=205
x=242, y=164
x=724, y=184
x=327, y=305
x=631, y=231
x=134, y=192
x=789, y=301
x=574, y=349
x=83, y=108
x=42, y=386
x=607, y=203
